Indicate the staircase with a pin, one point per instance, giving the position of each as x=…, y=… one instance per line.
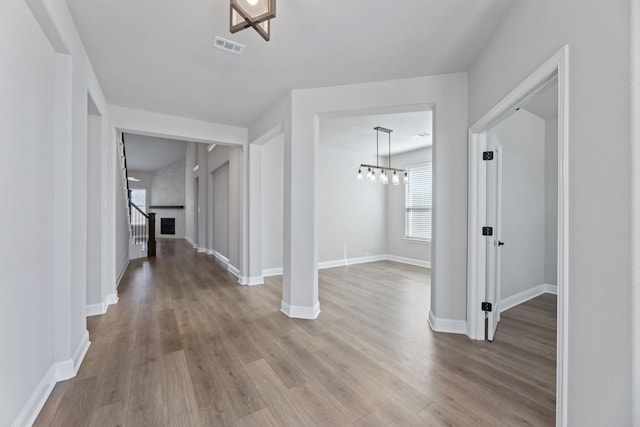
x=142, y=225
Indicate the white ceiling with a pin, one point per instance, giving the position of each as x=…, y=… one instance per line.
x=147, y=153
x=357, y=133
x=157, y=55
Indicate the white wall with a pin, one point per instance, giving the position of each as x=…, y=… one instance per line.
x=219, y=156
x=599, y=293
x=191, y=160
x=449, y=95
x=272, y=182
x=26, y=108
x=551, y=201
x=94, y=210
x=367, y=220
x=351, y=215
x=275, y=123
x=196, y=195
x=220, y=213
x=397, y=245
x=208, y=162
x=44, y=106
x=168, y=189
x=522, y=137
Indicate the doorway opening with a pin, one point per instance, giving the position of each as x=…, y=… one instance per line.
x=486, y=206
x=522, y=201
x=369, y=221
x=373, y=230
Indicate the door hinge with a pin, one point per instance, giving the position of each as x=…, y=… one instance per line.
x=487, y=155
x=487, y=231
x=487, y=306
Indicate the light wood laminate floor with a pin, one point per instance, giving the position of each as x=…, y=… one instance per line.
x=187, y=346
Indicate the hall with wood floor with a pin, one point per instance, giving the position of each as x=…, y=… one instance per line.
x=188, y=346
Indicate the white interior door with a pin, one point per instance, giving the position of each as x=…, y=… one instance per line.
x=494, y=242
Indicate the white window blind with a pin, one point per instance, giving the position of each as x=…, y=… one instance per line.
x=418, y=202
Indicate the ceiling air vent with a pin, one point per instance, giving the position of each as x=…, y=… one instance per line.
x=228, y=45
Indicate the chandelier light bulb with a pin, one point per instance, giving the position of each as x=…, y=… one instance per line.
x=359, y=176
x=406, y=178
x=252, y=2
x=372, y=177
x=395, y=179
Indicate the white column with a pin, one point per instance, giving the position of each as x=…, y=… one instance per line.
x=300, y=280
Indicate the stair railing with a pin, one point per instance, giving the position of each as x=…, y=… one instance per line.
x=143, y=228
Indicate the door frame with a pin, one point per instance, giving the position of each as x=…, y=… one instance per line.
x=556, y=66
x=494, y=213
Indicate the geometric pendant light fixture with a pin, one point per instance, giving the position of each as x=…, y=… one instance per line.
x=252, y=13
x=384, y=171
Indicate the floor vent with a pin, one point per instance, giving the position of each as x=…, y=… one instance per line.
x=228, y=45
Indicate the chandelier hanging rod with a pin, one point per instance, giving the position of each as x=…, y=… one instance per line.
x=379, y=129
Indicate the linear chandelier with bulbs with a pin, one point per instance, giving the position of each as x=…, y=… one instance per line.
x=371, y=169
x=256, y=14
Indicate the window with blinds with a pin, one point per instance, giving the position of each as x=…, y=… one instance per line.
x=418, y=203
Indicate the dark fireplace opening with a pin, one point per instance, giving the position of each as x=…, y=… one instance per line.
x=167, y=226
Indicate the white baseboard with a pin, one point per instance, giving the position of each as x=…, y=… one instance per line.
x=223, y=259
x=300, y=312
x=373, y=258
x=272, y=272
x=191, y=242
x=526, y=295
x=410, y=261
x=350, y=261
x=126, y=265
x=365, y=259
x=252, y=280
x=243, y=280
x=68, y=369
x=450, y=326
x=60, y=371
x=233, y=270
x=102, y=307
x=111, y=299
x=36, y=401
x=202, y=250
x=64, y=370
x=332, y=264
x=551, y=289
x=96, y=309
